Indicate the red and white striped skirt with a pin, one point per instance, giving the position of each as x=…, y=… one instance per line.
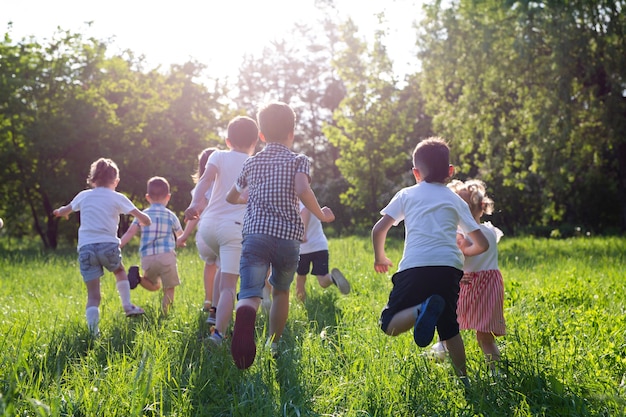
x=481, y=302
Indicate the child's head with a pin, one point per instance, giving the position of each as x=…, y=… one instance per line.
x=203, y=157
x=103, y=173
x=432, y=158
x=243, y=132
x=158, y=190
x=475, y=195
x=277, y=122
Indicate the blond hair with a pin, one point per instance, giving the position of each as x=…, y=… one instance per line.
x=474, y=193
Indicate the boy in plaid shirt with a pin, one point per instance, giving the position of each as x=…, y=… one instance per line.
x=274, y=181
x=158, y=242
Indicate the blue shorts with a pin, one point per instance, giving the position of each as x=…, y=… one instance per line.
x=258, y=252
x=93, y=258
x=414, y=285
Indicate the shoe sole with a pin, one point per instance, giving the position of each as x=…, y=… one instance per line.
x=243, y=346
x=424, y=329
x=133, y=277
x=136, y=311
x=341, y=281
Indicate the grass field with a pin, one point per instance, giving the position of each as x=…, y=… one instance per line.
x=564, y=354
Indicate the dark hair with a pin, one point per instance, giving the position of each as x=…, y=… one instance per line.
x=103, y=173
x=432, y=157
x=158, y=188
x=276, y=121
x=243, y=132
x=202, y=160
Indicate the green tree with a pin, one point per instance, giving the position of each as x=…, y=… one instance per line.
x=373, y=127
x=531, y=97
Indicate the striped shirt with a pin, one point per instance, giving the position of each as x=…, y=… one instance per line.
x=272, y=207
x=159, y=236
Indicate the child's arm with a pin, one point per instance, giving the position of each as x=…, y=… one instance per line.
x=479, y=245
x=203, y=185
x=184, y=235
x=234, y=196
x=63, y=211
x=130, y=233
x=142, y=218
x=306, y=216
x=307, y=196
x=379, y=234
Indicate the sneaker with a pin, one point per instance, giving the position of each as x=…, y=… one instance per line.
x=438, y=351
x=427, y=316
x=134, y=311
x=216, y=338
x=243, y=347
x=211, y=319
x=206, y=307
x=340, y=281
x=133, y=277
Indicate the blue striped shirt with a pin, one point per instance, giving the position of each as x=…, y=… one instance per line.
x=272, y=207
x=159, y=236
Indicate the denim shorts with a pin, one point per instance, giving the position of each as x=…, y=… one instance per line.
x=259, y=251
x=94, y=257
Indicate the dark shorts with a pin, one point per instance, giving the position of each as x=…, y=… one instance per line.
x=412, y=286
x=318, y=259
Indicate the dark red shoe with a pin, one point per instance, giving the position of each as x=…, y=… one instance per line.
x=243, y=346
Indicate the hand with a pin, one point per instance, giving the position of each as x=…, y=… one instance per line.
x=181, y=242
x=57, y=213
x=383, y=265
x=191, y=213
x=329, y=216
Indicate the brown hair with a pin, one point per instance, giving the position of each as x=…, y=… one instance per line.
x=276, y=121
x=203, y=157
x=432, y=157
x=475, y=195
x=103, y=173
x=158, y=188
x=243, y=132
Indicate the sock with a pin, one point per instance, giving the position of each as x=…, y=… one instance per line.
x=93, y=319
x=123, y=288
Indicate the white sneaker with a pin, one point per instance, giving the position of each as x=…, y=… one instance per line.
x=216, y=338
x=340, y=281
x=438, y=351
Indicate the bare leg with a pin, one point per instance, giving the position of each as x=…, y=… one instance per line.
x=168, y=299
x=402, y=321
x=487, y=343
x=224, y=313
x=325, y=281
x=300, y=287
x=209, y=279
x=278, y=313
x=456, y=349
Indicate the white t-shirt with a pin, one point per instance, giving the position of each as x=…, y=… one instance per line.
x=100, y=210
x=431, y=213
x=488, y=259
x=315, y=238
x=228, y=164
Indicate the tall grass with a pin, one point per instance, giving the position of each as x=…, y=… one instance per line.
x=564, y=354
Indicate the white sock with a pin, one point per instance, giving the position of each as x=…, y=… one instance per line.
x=93, y=319
x=123, y=288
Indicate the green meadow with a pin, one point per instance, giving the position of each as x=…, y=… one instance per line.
x=564, y=354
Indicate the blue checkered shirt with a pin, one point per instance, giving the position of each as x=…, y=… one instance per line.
x=159, y=236
x=272, y=207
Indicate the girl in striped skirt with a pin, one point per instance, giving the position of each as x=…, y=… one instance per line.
x=481, y=298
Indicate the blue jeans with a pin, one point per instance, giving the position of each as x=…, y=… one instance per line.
x=94, y=257
x=258, y=252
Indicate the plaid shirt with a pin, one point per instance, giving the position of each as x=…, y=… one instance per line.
x=159, y=236
x=272, y=207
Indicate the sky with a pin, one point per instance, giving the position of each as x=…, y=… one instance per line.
x=215, y=33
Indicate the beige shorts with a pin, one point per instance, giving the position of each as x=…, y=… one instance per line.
x=161, y=267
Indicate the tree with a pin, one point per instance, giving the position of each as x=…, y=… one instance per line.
x=531, y=98
x=373, y=126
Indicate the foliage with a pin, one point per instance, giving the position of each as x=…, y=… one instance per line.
x=531, y=96
x=563, y=354
x=66, y=103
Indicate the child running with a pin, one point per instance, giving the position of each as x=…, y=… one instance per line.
x=426, y=284
x=221, y=232
x=98, y=245
x=276, y=178
x=211, y=285
x=481, y=299
x=314, y=252
x=158, y=244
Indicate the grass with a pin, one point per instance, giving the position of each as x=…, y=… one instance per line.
x=564, y=354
